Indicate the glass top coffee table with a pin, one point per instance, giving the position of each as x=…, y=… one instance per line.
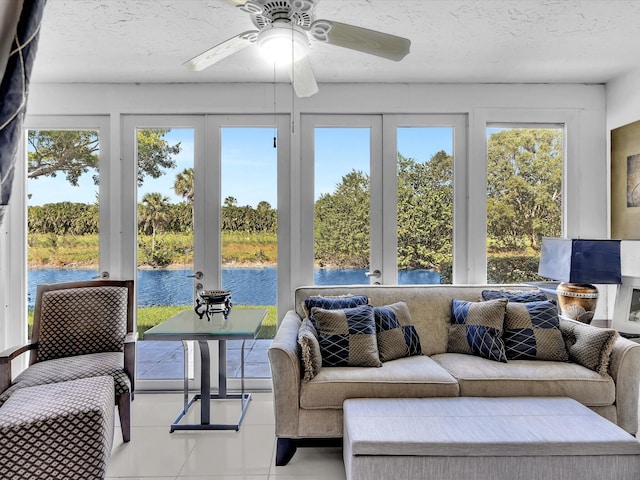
x=186, y=325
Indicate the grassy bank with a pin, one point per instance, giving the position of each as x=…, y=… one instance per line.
x=76, y=251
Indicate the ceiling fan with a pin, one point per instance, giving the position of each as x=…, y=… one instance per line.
x=282, y=35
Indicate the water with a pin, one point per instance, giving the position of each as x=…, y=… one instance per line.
x=249, y=286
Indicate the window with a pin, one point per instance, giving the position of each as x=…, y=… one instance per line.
x=524, y=198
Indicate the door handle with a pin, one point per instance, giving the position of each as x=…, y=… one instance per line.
x=375, y=274
x=197, y=276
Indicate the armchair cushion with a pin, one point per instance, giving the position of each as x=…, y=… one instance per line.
x=73, y=368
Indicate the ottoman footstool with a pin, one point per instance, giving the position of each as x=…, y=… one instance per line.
x=58, y=431
x=478, y=438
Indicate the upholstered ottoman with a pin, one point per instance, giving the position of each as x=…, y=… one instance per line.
x=479, y=438
x=58, y=431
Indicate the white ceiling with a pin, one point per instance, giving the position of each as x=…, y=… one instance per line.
x=453, y=41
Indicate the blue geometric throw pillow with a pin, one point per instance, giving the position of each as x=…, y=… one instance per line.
x=476, y=328
x=347, y=336
x=532, y=331
x=397, y=336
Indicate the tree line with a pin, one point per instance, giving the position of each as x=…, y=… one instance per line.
x=523, y=199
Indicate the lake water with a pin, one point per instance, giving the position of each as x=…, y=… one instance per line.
x=249, y=286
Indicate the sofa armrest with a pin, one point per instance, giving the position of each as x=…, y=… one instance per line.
x=6, y=357
x=623, y=368
x=285, y=375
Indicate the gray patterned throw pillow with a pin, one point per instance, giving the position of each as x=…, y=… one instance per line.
x=309, y=350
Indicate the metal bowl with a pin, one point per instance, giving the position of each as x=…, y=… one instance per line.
x=215, y=296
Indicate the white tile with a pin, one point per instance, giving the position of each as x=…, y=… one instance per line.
x=154, y=410
x=247, y=452
x=312, y=463
x=224, y=477
x=151, y=452
x=145, y=478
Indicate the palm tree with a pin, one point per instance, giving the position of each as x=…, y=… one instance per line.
x=184, y=186
x=153, y=214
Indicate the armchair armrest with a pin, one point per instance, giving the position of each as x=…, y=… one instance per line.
x=130, y=341
x=5, y=362
x=285, y=375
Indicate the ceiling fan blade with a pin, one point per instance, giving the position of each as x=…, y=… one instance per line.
x=302, y=78
x=221, y=51
x=361, y=39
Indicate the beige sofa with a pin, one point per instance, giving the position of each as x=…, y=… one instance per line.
x=309, y=412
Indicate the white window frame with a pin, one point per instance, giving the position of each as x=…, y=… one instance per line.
x=477, y=203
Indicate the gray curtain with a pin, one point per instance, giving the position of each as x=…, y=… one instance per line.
x=13, y=93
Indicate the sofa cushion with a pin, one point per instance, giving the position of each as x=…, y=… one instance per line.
x=333, y=302
x=347, y=336
x=310, y=354
x=532, y=331
x=589, y=346
x=476, y=328
x=396, y=334
x=407, y=377
x=514, y=295
x=479, y=377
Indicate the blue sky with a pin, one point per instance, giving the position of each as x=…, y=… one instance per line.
x=249, y=170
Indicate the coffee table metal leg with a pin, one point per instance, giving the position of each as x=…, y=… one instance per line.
x=185, y=386
x=205, y=383
x=205, y=394
x=222, y=369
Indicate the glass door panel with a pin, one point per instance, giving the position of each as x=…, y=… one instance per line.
x=342, y=205
x=249, y=236
x=425, y=205
x=165, y=240
x=63, y=212
x=524, y=198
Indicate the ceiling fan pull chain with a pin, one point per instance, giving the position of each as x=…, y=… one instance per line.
x=275, y=125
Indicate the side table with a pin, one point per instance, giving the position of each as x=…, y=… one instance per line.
x=186, y=325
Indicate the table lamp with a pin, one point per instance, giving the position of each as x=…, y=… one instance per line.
x=578, y=263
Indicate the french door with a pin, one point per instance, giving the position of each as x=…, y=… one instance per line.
x=379, y=196
x=215, y=173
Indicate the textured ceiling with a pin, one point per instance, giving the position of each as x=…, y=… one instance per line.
x=458, y=41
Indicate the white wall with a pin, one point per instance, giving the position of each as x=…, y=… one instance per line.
x=582, y=106
x=623, y=101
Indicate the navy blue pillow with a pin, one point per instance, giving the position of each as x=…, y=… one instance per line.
x=517, y=297
x=334, y=303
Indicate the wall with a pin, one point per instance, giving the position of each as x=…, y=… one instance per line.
x=581, y=106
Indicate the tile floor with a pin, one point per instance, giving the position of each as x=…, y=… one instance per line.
x=249, y=454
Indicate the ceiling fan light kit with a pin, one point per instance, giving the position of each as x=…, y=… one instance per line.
x=283, y=43
x=283, y=33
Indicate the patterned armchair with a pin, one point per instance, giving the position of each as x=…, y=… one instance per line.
x=80, y=329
